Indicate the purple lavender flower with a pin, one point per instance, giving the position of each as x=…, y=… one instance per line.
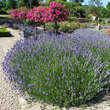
x=66, y=66
x=31, y=85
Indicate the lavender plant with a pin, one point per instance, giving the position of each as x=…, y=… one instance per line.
x=63, y=70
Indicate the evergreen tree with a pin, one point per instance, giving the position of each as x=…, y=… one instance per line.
x=20, y=3
x=108, y=5
x=11, y=4
x=79, y=1
x=3, y=3
x=95, y=2
x=108, y=9
x=28, y=3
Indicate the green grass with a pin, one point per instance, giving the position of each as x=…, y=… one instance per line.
x=3, y=29
x=4, y=32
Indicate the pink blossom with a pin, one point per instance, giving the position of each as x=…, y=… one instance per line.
x=55, y=13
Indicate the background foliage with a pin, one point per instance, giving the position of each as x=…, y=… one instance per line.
x=76, y=7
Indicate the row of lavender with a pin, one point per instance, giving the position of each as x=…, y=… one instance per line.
x=63, y=70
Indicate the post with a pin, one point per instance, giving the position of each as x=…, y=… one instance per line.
x=35, y=30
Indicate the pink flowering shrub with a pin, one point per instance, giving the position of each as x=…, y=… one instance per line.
x=30, y=15
x=41, y=15
x=38, y=14
x=57, y=13
x=19, y=14
x=13, y=13
x=22, y=13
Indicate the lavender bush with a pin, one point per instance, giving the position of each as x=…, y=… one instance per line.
x=63, y=70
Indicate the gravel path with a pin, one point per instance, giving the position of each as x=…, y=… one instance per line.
x=8, y=97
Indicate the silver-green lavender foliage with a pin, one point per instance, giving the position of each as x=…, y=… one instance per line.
x=64, y=70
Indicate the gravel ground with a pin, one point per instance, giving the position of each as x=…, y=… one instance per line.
x=8, y=97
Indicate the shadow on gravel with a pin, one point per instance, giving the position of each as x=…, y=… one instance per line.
x=5, y=34
x=102, y=96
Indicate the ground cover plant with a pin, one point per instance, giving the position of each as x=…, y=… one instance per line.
x=4, y=32
x=63, y=70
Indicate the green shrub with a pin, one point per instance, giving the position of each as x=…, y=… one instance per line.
x=67, y=27
x=49, y=26
x=83, y=25
x=89, y=16
x=44, y=4
x=27, y=21
x=81, y=20
x=76, y=10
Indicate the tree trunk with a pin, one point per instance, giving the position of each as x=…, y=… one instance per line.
x=44, y=27
x=56, y=28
